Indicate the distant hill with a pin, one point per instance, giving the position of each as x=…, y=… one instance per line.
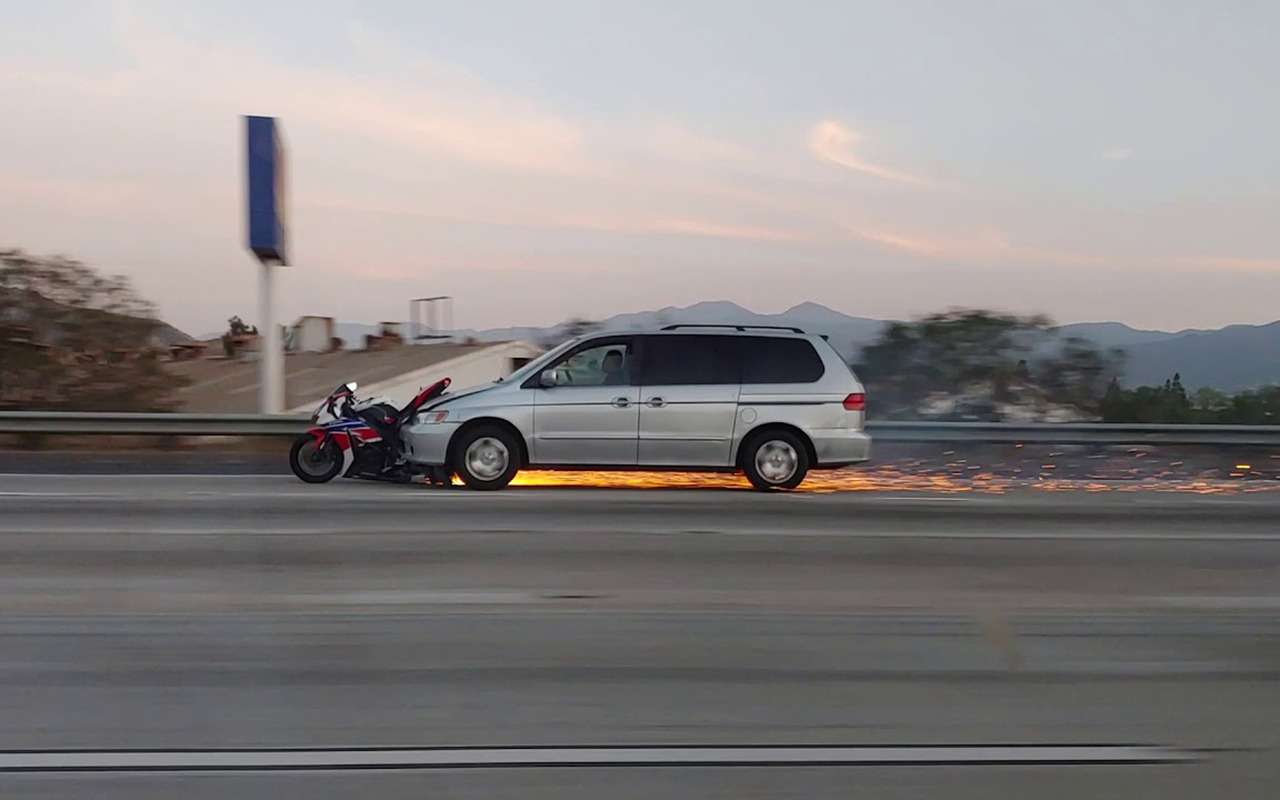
x=1114, y=334
x=847, y=334
x=1233, y=358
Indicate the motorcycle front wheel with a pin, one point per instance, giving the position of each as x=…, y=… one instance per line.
x=313, y=463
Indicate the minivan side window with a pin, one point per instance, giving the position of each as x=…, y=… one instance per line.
x=680, y=360
x=775, y=359
x=607, y=364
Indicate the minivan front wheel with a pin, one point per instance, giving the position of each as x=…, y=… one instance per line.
x=775, y=460
x=487, y=457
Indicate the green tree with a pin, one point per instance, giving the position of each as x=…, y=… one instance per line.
x=1173, y=405
x=1009, y=358
x=1170, y=404
x=237, y=327
x=1115, y=406
x=1254, y=407
x=235, y=333
x=1209, y=402
x=1079, y=374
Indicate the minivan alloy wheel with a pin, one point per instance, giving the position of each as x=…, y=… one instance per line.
x=776, y=461
x=487, y=458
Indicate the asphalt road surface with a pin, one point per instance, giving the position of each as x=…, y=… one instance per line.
x=220, y=636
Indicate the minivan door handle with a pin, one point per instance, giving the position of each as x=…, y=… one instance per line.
x=656, y=402
x=621, y=402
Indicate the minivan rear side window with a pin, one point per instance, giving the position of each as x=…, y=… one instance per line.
x=775, y=359
x=685, y=360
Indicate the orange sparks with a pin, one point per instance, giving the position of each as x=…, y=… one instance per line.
x=876, y=479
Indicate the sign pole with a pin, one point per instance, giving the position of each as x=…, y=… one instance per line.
x=265, y=187
x=270, y=362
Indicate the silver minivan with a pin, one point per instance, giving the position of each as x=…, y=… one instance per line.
x=771, y=402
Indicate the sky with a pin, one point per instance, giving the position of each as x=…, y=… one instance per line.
x=1089, y=160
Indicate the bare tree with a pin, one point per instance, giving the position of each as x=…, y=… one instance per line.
x=72, y=339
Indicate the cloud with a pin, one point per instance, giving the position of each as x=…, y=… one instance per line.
x=1117, y=154
x=895, y=241
x=990, y=246
x=677, y=142
x=78, y=197
x=995, y=247
x=416, y=103
x=681, y=226
x=694, y=227
x=518, y=216
x=1233, y=263
x=831, y=141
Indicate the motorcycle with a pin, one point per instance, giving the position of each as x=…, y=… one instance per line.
x=360, y=438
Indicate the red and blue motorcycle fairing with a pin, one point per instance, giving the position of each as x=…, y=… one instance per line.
x=363, y=440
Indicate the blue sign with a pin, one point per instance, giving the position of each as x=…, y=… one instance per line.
x=266, y=189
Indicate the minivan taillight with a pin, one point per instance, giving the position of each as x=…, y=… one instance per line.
x=856, y=402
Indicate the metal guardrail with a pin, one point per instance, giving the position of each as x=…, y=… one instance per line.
x=130, y=424
x=1075, y=433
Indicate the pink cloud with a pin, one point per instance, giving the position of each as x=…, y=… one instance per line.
x=833, y=142
x=422, y=105
x=677, y=142
x=991, y=246
x=1232, y=263
x=82, y=197
x=995, y=247
x=682, y=226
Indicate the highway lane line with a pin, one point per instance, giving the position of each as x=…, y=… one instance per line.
x=456, y=527
x=879, y=498
x=358, y=758
x=1223, y=602
x=151, y=475
x=419, y=494
x=195, y=494
x=394, y=597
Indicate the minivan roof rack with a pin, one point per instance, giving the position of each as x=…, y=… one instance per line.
x=732, y=327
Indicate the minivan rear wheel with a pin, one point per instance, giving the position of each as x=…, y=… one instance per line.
x=487, y=457
x=775, y=460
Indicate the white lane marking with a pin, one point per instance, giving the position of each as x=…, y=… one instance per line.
x=197, y=494
x=418, y=493
x=408, y=597
x=1226, y=602
x=879, y=498
x=1050, y=535
x=153, y=475
x=623, y=530
x=427, y=758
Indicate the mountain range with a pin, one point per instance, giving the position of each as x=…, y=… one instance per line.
x=1233, y=358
